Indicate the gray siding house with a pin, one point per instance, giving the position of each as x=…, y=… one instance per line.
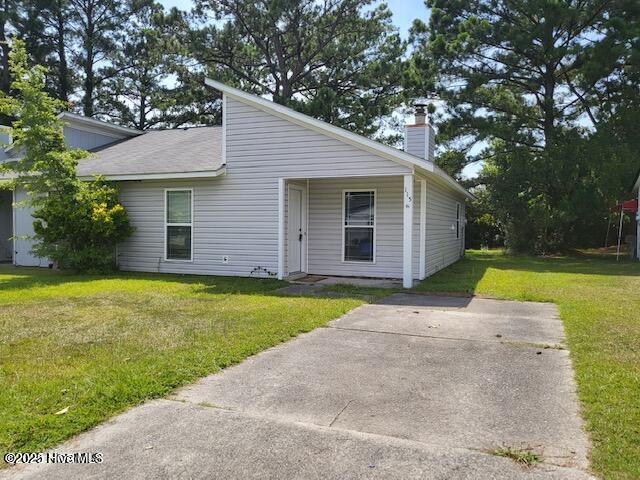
x=272, y=192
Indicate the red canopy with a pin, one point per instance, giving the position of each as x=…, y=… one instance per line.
x=627, y=206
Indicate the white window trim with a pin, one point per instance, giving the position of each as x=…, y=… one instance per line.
x=374, y=226
x=458, y=218
x=167, y=224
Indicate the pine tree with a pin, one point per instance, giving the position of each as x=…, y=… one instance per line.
x=339, y=60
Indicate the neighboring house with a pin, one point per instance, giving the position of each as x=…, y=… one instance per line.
x=636, y=190
x=274, y=192
x=16, y=224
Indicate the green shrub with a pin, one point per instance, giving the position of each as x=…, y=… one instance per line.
x=80, y=231
x=77, y=224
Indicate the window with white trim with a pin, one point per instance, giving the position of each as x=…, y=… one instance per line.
x=179, y=224
x=457, y=220
x=359, y=226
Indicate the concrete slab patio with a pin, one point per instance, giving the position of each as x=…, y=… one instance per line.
x=413, y=387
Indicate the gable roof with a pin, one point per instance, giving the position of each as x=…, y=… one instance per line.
x=82, y=123
x=422, y=166
x=89, y=123
x=177, y=153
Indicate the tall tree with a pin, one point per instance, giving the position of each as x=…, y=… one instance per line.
x=138, y=93
x=7, y=17
x=100, y=26
x=188, y=102
x=515, y=78
x=44, y=27
x=58, y=17
x=338, y=60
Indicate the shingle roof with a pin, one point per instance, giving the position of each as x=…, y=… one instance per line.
x=194, y=149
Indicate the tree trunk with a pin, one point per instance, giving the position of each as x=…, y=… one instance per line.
x=5, y=77
x=65, y=84
x=87, y=102
x=142, y=118
x=284, y=93
x=549, y=109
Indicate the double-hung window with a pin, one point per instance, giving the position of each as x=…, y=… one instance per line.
x=457, y=220
x=179, y=224
x=359, y=224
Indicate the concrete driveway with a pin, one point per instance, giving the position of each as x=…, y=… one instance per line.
x=415, y=387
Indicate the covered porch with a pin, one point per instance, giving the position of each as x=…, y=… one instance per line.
x=357, y=226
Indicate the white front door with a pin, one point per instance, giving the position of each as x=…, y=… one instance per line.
x=23, y=233
x=297, y=235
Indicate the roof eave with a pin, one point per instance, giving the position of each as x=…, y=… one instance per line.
x=449, y=181
x=92, y=122
x=160, y=176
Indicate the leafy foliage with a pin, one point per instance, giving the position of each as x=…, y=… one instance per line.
x=77, y=224
x=134, y=92
x=338, y=60
x=530, y=90
x=483, y=229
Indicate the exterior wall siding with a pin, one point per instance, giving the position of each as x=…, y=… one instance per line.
x=415, y=141
x=236, y=215
x=77, y=138
x=442, y=246
x=325, y=241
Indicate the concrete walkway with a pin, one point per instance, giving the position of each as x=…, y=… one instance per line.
x=415, y=387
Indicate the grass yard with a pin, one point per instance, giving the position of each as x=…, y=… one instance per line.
x=599, y=303
x=99, y=345
x=93, y=346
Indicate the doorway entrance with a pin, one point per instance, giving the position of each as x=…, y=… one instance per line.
x=6, y=226
x=297, y=230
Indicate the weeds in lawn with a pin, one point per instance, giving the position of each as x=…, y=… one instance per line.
x=526, y=457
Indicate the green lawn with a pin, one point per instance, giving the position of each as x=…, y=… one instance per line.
x=599, y=303
x=98, y=345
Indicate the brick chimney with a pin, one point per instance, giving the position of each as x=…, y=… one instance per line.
x=419, y=137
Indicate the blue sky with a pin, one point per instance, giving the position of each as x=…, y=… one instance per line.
x=404, y=11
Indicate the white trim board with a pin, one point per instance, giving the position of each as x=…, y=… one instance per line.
x=373, y=227
x=160, y=176
x=422, y=271
x=281, y=235
x=166, y=224
x=407, y=232
x=97, y=126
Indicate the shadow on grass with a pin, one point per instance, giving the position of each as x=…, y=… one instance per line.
x=463, y=275
x=24, y=278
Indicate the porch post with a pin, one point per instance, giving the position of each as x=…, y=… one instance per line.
x=423, y=229
x=280, y=228
x=407, y=236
